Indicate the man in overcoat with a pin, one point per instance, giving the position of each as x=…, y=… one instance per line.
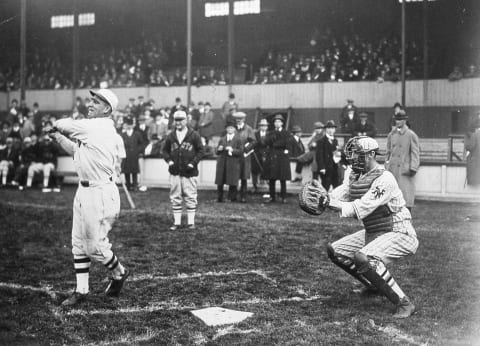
x=260, y=154
x=134, y=146
x=247, y=137
x=229, y=151
x=279, y=159
x=325, y=156
x=403, y=156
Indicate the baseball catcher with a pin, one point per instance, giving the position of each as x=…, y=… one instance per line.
x=370, y=194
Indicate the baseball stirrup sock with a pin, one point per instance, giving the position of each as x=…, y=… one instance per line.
x=191, y=216
x=82, y=269
x=385, y=274
x=115, y=267
x=177, y=215
x=347, y=265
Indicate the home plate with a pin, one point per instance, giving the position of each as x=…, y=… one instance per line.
x=216, y=316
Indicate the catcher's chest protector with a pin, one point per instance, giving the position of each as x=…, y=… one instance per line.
x=380, y=221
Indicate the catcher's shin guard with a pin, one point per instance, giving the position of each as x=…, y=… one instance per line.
x=347, y=265
x=376, y=272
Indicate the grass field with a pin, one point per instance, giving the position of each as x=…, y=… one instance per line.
x=265, y=259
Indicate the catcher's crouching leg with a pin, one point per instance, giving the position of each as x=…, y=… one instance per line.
x=376, y=272
x=347, y=265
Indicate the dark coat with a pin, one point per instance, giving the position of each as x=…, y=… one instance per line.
x=228, y=167
x=365, y=130
x=472, y=145
x=259, y=155
x=324, y=154
x=134, y=146
x=11, y=154
x=279, y=159
x=247, y=136
x=191, y=150
x=48, y=152
x=205, y=124
x=296, y=147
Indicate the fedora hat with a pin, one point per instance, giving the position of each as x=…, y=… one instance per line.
x=330, y=123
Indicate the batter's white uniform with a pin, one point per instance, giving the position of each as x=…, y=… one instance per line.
x=402, y=241
x=97, y=201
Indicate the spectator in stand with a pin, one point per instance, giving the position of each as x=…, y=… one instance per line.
x=327, y=166
x=297, y=149
x=9, y=158
x=23, y=109
x=28, y=155
x=472, y=148
x=349, y=117
x=229, y=107
x=247, y=138
x=260, y=154
x=195, y=113
x=230, y=152
x=403, y=157
x=176, y=107
x=46, y=164
x=205, y=123
x=5, y=133
x=143, y=129
x=154, y=147
x=28, y=127
x=456, y=74
x=134, y=146
x=159, y=127
x=279, y=161
x=81, y=108
x=365, y=127
x=472, y=72
x=16, y=134
x=13, y=111
x=37, y=118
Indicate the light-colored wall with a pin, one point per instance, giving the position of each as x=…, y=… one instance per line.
x=439, y=93
x=436, y=182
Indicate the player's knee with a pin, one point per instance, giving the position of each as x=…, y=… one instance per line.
x=361, y=262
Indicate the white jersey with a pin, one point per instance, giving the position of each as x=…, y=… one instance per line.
x=95, y=149
x=383, y=191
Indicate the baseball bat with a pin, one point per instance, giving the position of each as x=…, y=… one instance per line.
x=129, y=198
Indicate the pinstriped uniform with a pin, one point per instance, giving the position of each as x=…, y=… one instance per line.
x=401, y=242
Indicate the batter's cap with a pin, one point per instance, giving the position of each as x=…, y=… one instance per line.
x=107, y=96
x=179, y=115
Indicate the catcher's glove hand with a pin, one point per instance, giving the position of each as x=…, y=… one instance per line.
x=313, y=198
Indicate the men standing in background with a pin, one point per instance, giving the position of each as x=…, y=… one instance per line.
x=297, y=149
x=247, y=137
x=403, y=156
x=183, y=151
x=279, y=160
x=205, y=122
x=472, y=148
x=325, y=152
x=365, y=127
x=260, y=153
x=229, y=107
x=134, y=146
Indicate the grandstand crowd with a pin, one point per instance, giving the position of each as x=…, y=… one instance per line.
x=329, y=59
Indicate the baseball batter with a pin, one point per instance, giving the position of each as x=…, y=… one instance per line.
x=371, y=194
x=93, y=143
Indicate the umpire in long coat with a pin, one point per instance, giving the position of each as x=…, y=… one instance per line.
x=247, y=136
x=229, y=151
x=279, y=141
x=403, y=157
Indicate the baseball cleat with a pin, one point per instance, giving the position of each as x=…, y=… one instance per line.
x=404, y=309
x=174, y=227
x=46, y=189
x=115, y=286
x=74, y=299
x=191, y=227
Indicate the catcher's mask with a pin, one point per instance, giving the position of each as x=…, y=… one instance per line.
x=356, y=151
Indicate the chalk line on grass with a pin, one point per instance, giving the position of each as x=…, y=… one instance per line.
x=232, y=330
x=44, y=289
x=185, y=276
x=175, y=306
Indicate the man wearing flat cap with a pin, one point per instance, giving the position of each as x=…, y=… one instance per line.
x=279, y=142
x=403, y=156
x=182, y=151
x=247, y=137
x=93, y=144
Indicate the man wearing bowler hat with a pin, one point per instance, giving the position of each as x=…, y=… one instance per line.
x=279, y=159
x=403, y=156
x=327, y=160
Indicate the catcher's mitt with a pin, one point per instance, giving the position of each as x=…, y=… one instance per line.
x=313, y=198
